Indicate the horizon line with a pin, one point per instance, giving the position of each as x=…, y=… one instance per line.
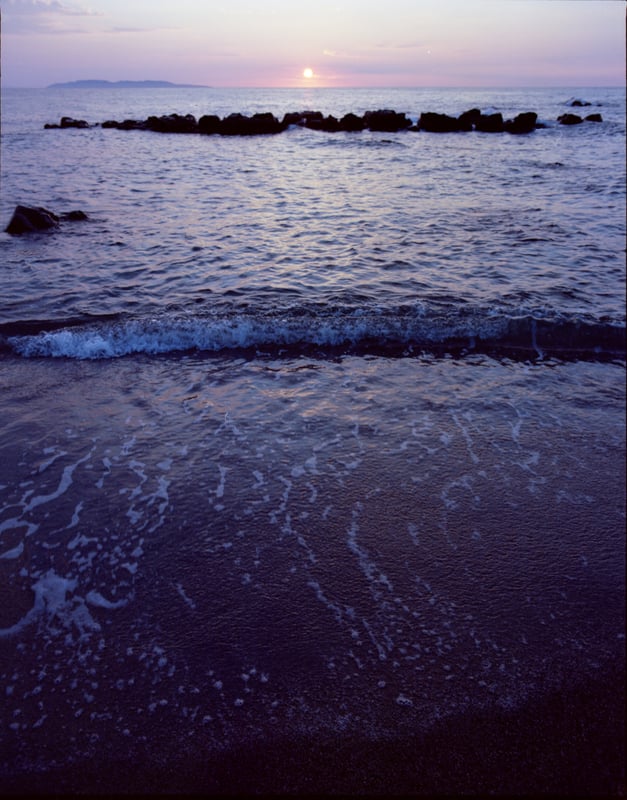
x=347, y=86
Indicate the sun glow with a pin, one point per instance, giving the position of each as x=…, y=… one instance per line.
x=308, y=72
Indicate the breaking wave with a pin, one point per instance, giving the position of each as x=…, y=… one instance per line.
x=402, y=331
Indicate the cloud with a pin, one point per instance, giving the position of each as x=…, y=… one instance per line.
x=23, y=17
x=337, y=54
x=129, y=29
x=45, y=7
x=401, y=45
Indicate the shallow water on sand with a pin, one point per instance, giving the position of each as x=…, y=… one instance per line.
x=225, y=550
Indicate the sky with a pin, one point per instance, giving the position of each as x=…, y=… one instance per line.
x=327, y=43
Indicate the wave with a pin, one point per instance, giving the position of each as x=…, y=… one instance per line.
x=401, y=331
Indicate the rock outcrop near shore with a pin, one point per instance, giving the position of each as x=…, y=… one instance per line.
x=29, y=219
x=381, y=120
x=575, y=119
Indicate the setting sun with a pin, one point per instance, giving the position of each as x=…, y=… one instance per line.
x=308, y=72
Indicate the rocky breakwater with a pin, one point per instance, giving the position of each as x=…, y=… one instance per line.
x=258, y=124
x=384, y=120
x=477, y=121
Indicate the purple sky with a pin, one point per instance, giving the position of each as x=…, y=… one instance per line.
x=574, y=43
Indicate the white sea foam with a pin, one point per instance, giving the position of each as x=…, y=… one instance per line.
x=15, y=552
x=64, y=485
x=52, y=603
x=220, y=488
x=179, y=588
x=259, y=478
x=404, y=700
x=76, y=516
x=94, y=598
x=369, y=568
x=412, y=529
x=55, y=455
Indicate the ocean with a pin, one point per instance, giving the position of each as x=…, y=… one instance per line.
x=312, y=448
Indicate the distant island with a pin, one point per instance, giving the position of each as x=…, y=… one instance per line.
x=97, y=84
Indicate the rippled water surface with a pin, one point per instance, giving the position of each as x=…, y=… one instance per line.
x=336, y=224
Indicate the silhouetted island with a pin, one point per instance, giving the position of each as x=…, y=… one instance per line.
x=98, y=84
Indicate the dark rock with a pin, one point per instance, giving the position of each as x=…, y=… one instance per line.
x=386, y=120
x=468, y=119
x=265, y=124
x=312, y=119
x=330, y=124
x=292, y=118
x=126, y=125
x=315, y=120
x=522, y=123
x=241, y=125
x=490, y=123
x=132, y=125
x=438, y=123
x=569, y=119
x=173, y=123
x=209, y=123
x=351, y=122
x=235, y=125
x=68, y=122
x=27, y=219
x=74, y=216
x=580, y=103
x=309, y=119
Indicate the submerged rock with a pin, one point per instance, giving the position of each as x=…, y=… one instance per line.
x=29, y=219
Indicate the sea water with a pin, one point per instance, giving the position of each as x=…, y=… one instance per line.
x=309, y=435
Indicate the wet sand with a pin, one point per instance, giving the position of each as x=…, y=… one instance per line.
x=567, y=743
